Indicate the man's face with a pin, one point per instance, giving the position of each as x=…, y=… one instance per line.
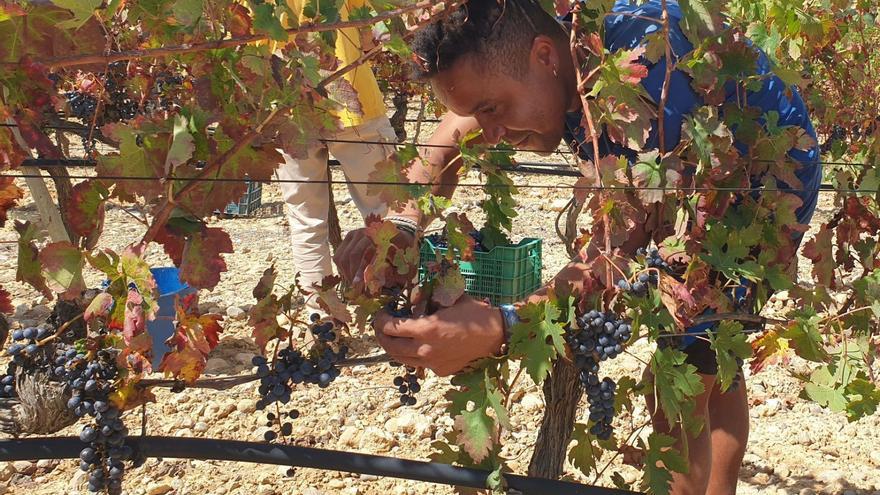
x=528, y=111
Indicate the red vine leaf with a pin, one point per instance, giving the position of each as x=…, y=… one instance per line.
x=62, y=265
x=134, y=323
x=99, y=307
x=771, y=348
x=9, y=195
x=202, y=261
x=5, y=301
x=29, y=270
x=85, y=209
x=377, y=272
x=819, y=250
x=137, y=353
x=186, y=364
x=631, y=70
x=677, y=298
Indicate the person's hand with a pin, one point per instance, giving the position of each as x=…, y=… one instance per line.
x=357, y=251
x=446, y=341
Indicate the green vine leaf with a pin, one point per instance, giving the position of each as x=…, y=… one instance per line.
x=583, y=455
x=863, y=399
x=529, y=339
x=729, y=342
x=661, y=458
x=676, y=381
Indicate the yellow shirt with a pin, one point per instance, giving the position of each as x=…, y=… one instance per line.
x=348, y=49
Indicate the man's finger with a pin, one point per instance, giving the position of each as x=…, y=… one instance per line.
x=412, y=328
x=397, y=347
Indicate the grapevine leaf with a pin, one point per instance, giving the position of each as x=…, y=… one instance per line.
x=457, y=233
x=5, y=301
x=99, y=307
x=186, y=364
x=661, y=458
x=863, y=399
x=583, y=455
x=202, y=261
x=386, y=182
x=648, y=176
x=134, y=324
x=187, y=12
x=449, y=286
x=677, y=299
x=182, y=144
x=265, y=21
x=529, y=339
x=129, y=395
x=136, y=354
x=376, y=273
x=769, y=349
x=406, y=260
x=676, y=381
x=28, y=259
x=62, y=265
x=136, y=270
x=824, y=389
x=475, y=433
x=729, y=343
x=819, y=250
x=631, y=71
x=806, y=340
x=133, y=160
x=85, y=209
x=263, y=318
x=82, y=11
x=9, y=194
x=266, y=283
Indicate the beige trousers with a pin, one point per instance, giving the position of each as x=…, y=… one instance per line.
x=308, y=204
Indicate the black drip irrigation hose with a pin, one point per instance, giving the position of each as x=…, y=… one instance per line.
x=287, y=455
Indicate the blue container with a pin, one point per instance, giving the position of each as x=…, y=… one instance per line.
x=170, y=288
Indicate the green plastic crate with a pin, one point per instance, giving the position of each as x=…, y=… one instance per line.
x=250, y=201
x=505, y=274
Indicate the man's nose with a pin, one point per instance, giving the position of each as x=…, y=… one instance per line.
x=494, y=133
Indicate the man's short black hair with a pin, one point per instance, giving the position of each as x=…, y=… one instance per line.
x=501, y=32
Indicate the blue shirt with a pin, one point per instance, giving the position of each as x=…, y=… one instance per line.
x=627, y=32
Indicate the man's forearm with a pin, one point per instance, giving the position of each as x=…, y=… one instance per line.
x=439, y=164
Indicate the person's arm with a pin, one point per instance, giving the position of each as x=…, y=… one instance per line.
x=441, y=162
x=452, y=338
x=441, y=165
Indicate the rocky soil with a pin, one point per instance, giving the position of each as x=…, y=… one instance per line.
x=795, y=447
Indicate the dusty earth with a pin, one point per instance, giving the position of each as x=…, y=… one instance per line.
x=795, y=447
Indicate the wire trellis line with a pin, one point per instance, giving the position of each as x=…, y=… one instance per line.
x=493, y=149
x=824, y=188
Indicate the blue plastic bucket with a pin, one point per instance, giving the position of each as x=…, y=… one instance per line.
x=170, y=288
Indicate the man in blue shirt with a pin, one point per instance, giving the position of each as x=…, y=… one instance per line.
x=505, y=67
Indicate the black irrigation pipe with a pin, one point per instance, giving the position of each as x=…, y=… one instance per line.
x=821, y=188
x=289, y=455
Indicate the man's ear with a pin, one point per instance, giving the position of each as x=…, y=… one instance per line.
x=544, y=54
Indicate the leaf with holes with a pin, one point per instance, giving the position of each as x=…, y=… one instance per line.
x=62, y=265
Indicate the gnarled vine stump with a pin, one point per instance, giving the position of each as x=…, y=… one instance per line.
x=562, y=391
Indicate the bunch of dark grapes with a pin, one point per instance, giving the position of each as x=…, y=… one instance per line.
x=600, y=336
x=292, y=367
x=441, y=241
x=7, y=383
x=90, y=377
x=649, y=278
x=25, y=350
x=408, y=386
x=82, y=106
x=119, y=105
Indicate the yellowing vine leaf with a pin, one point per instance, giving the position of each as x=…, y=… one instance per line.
x=9, y=195
x=29, y=270
x=62, y=265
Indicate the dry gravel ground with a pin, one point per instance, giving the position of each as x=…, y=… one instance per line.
x=795, y=446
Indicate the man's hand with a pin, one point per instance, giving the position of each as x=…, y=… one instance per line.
x=446, y=341
x=357, y=251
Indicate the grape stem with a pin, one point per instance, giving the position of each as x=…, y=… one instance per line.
x=60, y=330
